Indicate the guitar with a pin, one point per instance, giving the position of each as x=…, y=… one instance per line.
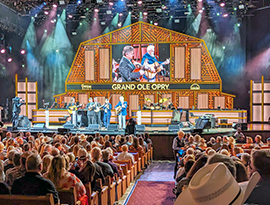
x=73, y=108
x=118, y=110
x=149, y=73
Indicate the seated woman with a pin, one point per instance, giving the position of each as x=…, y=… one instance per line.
x=63, y=179
x=258, y=140
x=249, y=143
x=135, y=147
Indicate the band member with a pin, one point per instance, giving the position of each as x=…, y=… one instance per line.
x=122, y=105
x=71, y=106
x=90, y=112
x=16, y=103
x=107, y=107
x=126, y=67
x=97, y=107
x=149, y=59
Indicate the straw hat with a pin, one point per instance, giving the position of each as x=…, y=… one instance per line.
x=214, y=184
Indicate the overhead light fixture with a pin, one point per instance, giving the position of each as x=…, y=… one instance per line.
x=74, y=33
x=109, y=12
x=99, y=1
x=103, y=23
x=158, y=10
x=62, y=2
x=241, y=6
x=176, y=21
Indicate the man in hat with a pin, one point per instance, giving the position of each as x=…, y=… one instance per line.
x=16, y=110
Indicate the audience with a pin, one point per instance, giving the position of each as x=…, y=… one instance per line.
x=124, y=155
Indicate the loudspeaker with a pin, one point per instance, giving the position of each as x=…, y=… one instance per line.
x=24, y=122
x=93, y=127
x=140, y=128
x=112, y=127
x=243, y=125
x=203, y=124
x=68, y=125
x=174, y=128
x=63, y=130
x=38, y=126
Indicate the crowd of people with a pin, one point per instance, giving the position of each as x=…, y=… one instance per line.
x=38, y=165
x=243, y=159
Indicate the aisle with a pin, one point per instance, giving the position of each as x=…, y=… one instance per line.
x=155, y=185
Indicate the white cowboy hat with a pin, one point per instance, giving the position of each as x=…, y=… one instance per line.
x=215, y=185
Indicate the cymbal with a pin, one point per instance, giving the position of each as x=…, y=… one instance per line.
x=148, y=100
x=163, y=100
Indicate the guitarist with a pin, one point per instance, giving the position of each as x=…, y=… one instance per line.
x=90, y=112
x=149, y=58
x=123, y=113
x=72, y=106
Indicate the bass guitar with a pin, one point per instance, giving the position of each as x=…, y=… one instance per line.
x=73, y=108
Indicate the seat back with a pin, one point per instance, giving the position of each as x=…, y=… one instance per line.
x=26, y=200
x=67, y=196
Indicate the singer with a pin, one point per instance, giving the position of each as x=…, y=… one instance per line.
x=121, y=110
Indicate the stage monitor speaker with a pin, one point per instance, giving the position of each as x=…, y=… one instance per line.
x=140, y=128
x=112, y=127
x=93, y=127
x=38, y=126
x=68, y=125
x=174, y=128
x=63, y=130
x=203, y=124
x=243, y=125
x=24, y=122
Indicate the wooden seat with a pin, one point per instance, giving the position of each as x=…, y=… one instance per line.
x=26, y=200
x=119, y=182
x=103, y=194
x=68, y=196
x=111, y=190
x=92, y=195
x=128, y=170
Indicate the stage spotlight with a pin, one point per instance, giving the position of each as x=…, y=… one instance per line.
x=103, y=23
x=3, y=50
x=109, y=12
x=119, y=24
x=22, y=51
x=176, y=21
x=225, y=15
x=200, y=0
x=52, y=21
x=111, y=3
x=164, y=7
x=222, y=4
x=140, y=2
x=54, y=5
x=156, y=23
x=70, y=16
x=241, y=6
x=9, y=60
x=145, y=13
x=200, y=11
x=96, y=10
x=46, y=12
x=121, y=14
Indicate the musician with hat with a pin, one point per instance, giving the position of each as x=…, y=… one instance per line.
x=17, y=102
x=121, y=110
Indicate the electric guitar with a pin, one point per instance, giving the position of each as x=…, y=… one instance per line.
x=73, y=108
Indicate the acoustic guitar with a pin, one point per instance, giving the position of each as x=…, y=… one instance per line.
x=73, y=108
x=118, y=109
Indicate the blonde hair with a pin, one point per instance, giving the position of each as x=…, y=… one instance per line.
x=96, y=153
x=56, y=170
x=47, y=159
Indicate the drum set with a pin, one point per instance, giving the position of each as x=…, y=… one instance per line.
x=159, y=105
